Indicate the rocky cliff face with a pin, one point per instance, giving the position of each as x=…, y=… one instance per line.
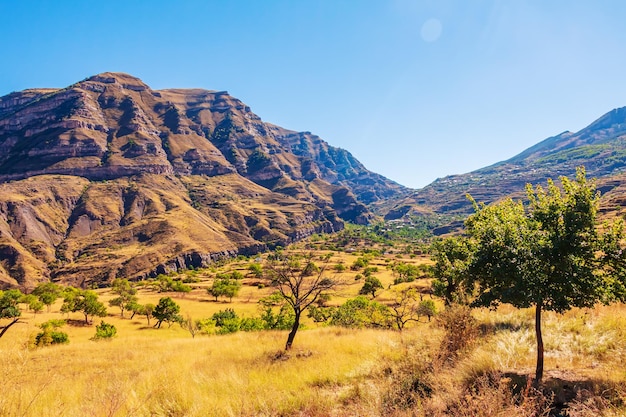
x=108, y=177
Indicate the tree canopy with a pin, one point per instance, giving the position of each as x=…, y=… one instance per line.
x=549, y=254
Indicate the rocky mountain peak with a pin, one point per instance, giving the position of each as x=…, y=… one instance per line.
x=146, y=165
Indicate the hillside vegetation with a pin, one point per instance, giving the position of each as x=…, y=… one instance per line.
x=455, y=364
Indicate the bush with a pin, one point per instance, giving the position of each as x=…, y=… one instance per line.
x=104, y=331
x=461, y=331
x=50, y=335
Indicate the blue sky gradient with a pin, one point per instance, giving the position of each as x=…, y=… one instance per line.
x=415, y=89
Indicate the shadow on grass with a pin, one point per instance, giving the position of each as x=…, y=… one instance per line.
x=572, y=395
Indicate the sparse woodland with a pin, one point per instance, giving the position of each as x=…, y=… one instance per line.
x=374, y=321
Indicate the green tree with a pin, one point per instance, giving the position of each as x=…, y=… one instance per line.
x=300, y=287
x=451, y=258
x=48, y=293
x=144, y=310
x=85, y=301
x=166, y=310
x=126, y=295
x=9, y=308
x=225, y=287
x=360, y=312
x=551, y=256
x=426, y=308
x=370, y=286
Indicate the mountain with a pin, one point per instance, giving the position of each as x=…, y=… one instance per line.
x=108, y=178
x=599, y=147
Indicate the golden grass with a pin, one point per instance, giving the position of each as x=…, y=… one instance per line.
x=331, y=371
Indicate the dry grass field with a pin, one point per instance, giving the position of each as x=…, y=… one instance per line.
x=331, y=371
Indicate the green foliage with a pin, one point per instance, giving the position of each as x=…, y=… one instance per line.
x=550, y=256
x=166, y=310
x=85, y=301
x=405, y=272
x=9, y=301
x=50, y=335
x=225, y=287
x=104, y=331
x=360, y=312
x=126, y=295
x=339, y=267
x=426, y=308
x=47, y=293
x=451, y=256
x=321, y=314
x=256, y=270
x=166, y=283
x=370, y=286
x=284, y=319
x=359, y=263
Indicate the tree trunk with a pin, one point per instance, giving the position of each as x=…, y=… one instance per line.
x=5, y=328
x=294, y=329
x=539, y=370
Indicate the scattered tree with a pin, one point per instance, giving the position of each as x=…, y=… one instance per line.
x=85, y=301
x=426, y=308
x=451, y=256
x=370, y=286
x=226, y=287
x=404, y=308
x=126, y=295
x=193, y=327
x=299, y=286
x=48, y=293
x=166, y=310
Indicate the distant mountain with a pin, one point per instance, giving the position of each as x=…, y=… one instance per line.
x=108, y=178
x=600, y=148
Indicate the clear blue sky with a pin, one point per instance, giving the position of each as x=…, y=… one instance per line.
x=415, y=89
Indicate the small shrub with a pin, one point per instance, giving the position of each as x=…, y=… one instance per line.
x=50, y=335
x=461, y=331
x=104, y=331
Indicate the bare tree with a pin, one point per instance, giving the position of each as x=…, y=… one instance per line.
x=300, y=282
x=405, y=307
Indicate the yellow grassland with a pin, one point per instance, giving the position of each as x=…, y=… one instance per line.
x=330, y=372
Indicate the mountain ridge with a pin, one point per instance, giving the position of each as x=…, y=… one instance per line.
x=124, y=167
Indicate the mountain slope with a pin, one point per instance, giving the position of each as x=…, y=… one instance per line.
x=108, y=177
x=600, y=148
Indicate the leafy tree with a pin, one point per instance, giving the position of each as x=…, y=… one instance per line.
x=48, y=293
x=426, y=308
x=9, y=308
x=144, y=310
x=226, y=287
x=166, y=310
x=126, y=295
x=452, y=256
x=370, y=286
x=104, y=331
x=85, y=301
x=360, y=312
x=550, y=256
x=300, y=287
